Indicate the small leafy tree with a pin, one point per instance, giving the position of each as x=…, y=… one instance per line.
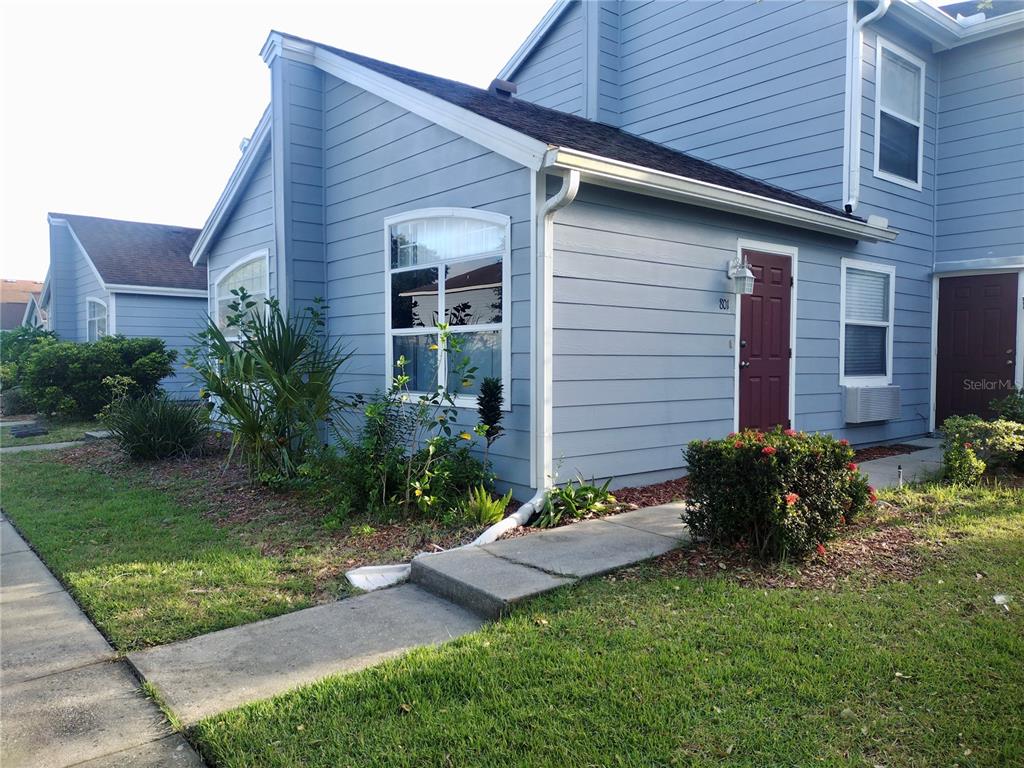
x=272, y=384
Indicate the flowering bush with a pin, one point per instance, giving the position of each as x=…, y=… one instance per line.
x=781, y=493
x=995, y=443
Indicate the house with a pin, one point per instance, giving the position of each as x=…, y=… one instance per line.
x=679, y=256
x=108, y=276
x=15, y=298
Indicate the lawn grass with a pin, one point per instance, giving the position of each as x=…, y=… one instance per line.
x=659, y=670
x=146, y=569
x=60, y=431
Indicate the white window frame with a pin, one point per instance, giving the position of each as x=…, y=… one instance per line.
x=504, y=327
x=106, y=319
x=881, y=45
x=263, y=253
x=866, y=381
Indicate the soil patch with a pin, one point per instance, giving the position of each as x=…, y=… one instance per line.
x=884, y=451
x=654, y=495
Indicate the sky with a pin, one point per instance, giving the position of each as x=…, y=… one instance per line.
x=135, y=110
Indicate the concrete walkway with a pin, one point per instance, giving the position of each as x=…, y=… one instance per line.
x=450, y=595
x=39, y=447
x=884, y=473
x=66, y=699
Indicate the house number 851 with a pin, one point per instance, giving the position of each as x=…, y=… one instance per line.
x=723, y=303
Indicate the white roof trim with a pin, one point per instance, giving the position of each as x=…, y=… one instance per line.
x=28, y=308
x=619, y=175
x=236, y=183
x=505, y=141
x=55, y=220
x=156, y=290
x=944, y=31
x=533, y=39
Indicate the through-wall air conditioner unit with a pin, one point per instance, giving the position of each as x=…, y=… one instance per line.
x=865, y=404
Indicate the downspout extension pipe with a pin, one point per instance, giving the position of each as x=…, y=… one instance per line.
x=543, y=325
x=856, y=45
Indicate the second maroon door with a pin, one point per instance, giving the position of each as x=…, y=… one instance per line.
x=765, y=343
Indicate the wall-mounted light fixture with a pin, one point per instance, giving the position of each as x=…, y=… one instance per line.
x=741, y=276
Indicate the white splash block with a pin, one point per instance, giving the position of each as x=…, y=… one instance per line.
x=371, y=577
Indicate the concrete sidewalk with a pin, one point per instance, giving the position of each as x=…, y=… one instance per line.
x=919, y=465
x=66, y=699
x=451, y=595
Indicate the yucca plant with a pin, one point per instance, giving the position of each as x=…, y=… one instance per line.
x=155, y=427
x=273, y=385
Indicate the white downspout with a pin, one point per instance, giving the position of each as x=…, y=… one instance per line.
x=543, y=356
x=855, y=89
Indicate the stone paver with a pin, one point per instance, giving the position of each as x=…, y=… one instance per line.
x=884, y=473
x=584, y=549
x=65, y=700
x=481, y=581
x=40, y=447
x=216, y=672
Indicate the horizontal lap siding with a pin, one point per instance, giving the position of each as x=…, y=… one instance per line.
x=553, y=74
x=379, y=161
x=86, y=287
x=980, y=166
x=757, y=87
x=249, y=226
x=644, y=358
x=63, y=308
x=175, y=320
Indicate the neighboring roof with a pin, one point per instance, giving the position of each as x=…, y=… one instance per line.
x=131, y=253
x=487, y=276
x=971, y=8
x=559, y=129
x=11, y=314
x=18, y=290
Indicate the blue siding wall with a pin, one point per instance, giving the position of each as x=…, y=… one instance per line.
x=87, y=286
x=381, y=160
x=644, y=357
x=757, y=87
x=553, y=75
x=250, y=226
x=173, y=319
x=980, y=172
x=63, y=317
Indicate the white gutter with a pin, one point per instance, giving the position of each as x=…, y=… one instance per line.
x=635, y=178
x=855, y=95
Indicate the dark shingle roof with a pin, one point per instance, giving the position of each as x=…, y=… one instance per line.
x=134, y=253
x=560, y=129
x=970, y=8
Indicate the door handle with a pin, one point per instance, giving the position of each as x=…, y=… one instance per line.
x=744, y=364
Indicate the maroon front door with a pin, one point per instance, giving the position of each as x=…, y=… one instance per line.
x=977, y=343
x=764, y=343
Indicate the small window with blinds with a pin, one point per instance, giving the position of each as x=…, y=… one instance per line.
x=448, y=267
x=865, y=335
x=899, y=115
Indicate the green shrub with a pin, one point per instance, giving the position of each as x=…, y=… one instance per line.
x=155, y=427
x=16, y=345
x=14, y=402
x=960, y=465
x=997, y=443
x=66, y=378
x=482, y=508
x=273, y=385
x=1011, y=407
x=781, y=493
x=574, y=501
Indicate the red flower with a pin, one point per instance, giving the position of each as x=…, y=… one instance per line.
x=844, y=441
x=821, y=549
x=738, y=444
x=792, y=498
x=790, y=433
x=852, y=467
x=768, y=450
x=871, y=494
x=842, y=520
x=967, y=445
x=731, y=434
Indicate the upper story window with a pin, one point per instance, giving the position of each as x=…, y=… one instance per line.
x=867, y=299
x=95, y=319
x=899, y=115
x=249, y=273
x=447, y=266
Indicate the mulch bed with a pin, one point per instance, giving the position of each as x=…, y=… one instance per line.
x=884, y=451
x=654, y=495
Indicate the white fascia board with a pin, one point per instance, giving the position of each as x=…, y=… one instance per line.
x=505, y=141
x=85, y=254
x=533, y=39
x=635, y=178
x=236, y=183
x=945, y=32
x=155, y=290
x=28, y=308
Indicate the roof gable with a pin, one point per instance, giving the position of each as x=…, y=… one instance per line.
x=129, y=253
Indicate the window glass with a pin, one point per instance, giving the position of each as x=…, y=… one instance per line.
x=865, y=350
x=428, y=241
x=901, y=86
x=897, y=147
x=414, y=299
x=96, y=320
x=472, y=292
x=252, y=275
x=481, y=350
x=867, y=295
x=866, y=324
x=899, y=116
x=420, y=360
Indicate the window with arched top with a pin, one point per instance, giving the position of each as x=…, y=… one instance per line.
x=448, y=266
x=250, y=273
x=95, y=319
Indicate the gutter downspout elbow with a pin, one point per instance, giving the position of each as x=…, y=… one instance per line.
x=542, y=381
x=857, y=100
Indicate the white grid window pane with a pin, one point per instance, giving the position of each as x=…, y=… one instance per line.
x=96, y=320
x=901, y=86
x=252, y=276
x=867, y=295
